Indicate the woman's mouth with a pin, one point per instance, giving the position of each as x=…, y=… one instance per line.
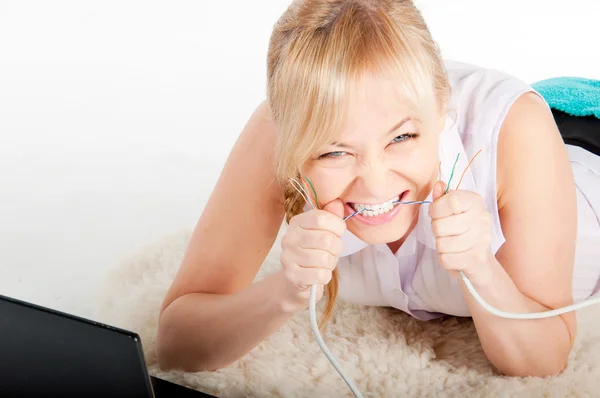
x=374, y=214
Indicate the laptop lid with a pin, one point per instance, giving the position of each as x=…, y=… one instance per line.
x=44, y=352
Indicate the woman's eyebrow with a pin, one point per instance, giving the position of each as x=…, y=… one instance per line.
x=391, y=130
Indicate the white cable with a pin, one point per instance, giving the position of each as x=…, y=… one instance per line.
x=470, y=288
x=313, y=307
x=534, y=315
x=478, y=298
x=315, y=329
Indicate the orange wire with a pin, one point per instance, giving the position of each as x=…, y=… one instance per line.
x=464, y=172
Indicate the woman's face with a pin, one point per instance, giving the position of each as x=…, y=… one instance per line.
x=381, y=156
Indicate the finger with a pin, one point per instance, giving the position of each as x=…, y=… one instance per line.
x=322, y=220
x=304, y=278
x=335, y=207
x=305, y=294
x=322, y=240
x=456, y=224
x=454, y=261
x=454, y=202
x=462, y=260
x=311, y=258
x=457, y=243
x=438, y=189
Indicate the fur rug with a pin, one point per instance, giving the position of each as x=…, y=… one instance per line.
x=386, y=352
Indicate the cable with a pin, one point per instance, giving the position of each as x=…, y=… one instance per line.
x=315, y=328
x=313, y=298
x=513, y=315
x=313, y=290
x=533, y=315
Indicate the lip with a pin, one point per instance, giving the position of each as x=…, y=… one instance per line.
x=380, y=219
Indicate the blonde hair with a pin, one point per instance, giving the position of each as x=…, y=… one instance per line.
x=322, y=50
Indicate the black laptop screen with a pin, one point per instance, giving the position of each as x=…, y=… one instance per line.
x=45, y=353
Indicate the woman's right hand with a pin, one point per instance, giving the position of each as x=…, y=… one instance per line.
x=310, y=249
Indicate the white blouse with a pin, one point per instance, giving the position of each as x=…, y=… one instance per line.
x=412, y=279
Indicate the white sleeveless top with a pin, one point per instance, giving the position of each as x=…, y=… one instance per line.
x=411, y=279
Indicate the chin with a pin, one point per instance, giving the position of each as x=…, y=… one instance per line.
x=392, y=232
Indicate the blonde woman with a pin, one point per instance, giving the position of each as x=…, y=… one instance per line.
x=361, y=105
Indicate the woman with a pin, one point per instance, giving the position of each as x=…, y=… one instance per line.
x=361, y=105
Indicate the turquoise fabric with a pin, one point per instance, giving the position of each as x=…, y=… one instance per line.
x=576, y=96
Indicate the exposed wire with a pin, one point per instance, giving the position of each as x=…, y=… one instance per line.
x=298, y=187
x=314, y=192
x=355, y=213
x=451, y=174
x=412, y=202
x=469, y=165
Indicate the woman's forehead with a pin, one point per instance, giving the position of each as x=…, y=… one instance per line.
x=380, y=111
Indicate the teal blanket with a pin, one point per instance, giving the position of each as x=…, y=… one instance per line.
x=576, y=96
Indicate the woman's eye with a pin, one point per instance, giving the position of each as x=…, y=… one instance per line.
x=335, y=154
x=403, y=137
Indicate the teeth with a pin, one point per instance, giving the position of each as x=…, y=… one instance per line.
x=375, y=210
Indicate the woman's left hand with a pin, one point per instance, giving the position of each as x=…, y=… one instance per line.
x=463, y=231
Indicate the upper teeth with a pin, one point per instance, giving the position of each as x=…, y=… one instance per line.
x=380, y=208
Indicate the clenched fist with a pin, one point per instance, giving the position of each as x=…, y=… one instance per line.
x=310, y=249
x=462, y=227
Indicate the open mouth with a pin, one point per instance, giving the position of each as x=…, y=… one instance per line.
x=374, y=210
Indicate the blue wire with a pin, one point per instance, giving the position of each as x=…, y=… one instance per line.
x=412, y=202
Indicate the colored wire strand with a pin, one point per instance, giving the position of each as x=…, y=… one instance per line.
x=452, y=174
x=314, y=192
x=298, y=187
x=467, y=168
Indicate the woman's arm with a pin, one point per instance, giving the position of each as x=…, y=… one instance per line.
x=211, y=316
x=533, y=270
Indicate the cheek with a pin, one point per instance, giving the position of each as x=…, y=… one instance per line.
x=329, y=183
x=416, y=164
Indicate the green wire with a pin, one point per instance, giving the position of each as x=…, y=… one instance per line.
x=314, y=192
x=451, y=174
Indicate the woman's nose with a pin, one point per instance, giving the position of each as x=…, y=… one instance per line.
x=374, y=182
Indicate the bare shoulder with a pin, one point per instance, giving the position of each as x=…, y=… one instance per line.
x=241, y=219
x=529, y=138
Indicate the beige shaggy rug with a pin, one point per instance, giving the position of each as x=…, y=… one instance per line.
x=386, y=352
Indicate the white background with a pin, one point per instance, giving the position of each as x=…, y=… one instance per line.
x=117, y=116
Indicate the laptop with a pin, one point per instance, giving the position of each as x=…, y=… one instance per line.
x=44, y=352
